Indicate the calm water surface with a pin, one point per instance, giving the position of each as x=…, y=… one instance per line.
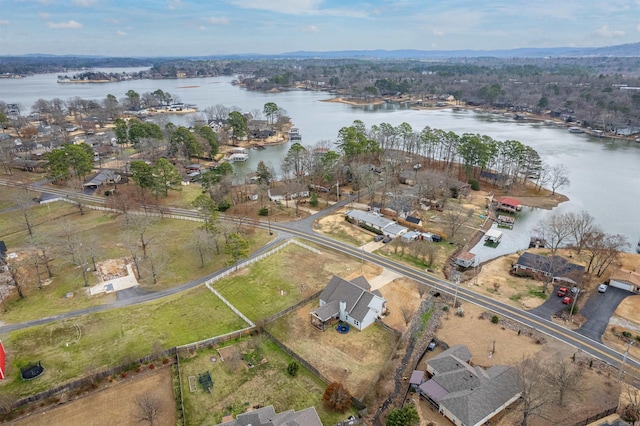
x=604, y=174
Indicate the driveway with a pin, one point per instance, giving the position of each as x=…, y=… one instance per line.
x=552, y=305
x=598, y=310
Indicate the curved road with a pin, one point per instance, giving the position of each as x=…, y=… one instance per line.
x=303, y=229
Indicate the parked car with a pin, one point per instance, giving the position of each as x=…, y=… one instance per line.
x=567, y=300
x=386, y=240
x=378, y=238
x=562, y=291
x=436, y=238
x=431, y=346
x=602, y=288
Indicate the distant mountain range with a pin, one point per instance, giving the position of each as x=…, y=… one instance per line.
x=622, y=50
x=628, y=50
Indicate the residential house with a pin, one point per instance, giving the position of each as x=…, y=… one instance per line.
x=372, y=220
x=626, y=280
x=281, y=193
x=267, y=416
x=349, y=301
x=105, y=176
x=468, y=395
x=465, y=259
x=556, y=267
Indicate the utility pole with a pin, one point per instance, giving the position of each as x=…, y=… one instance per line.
x=624, y=359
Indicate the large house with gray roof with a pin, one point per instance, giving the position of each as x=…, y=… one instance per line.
x=468, y=395
x=555, y=267
x=348, y=301
x=266, y=416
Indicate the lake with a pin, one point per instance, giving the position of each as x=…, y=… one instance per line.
x=604, y=173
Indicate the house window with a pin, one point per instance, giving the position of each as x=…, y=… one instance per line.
x=356, y=322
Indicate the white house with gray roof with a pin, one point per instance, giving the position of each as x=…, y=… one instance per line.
x=348, y=301
x=376, y=221
x=468, y=395
x=267, y=416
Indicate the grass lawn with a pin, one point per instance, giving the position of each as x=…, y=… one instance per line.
x=177, y=261
x=237, y=387
x=71, y=348
x=355, y=358
x=395, y=252
x=269, y=286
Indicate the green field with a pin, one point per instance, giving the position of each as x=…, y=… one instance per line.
x=170, y=240
x=237, y=387
x=269, y=286
x=72, y=348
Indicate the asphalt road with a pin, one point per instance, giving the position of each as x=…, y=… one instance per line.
x=303, y=229
x=598, y=309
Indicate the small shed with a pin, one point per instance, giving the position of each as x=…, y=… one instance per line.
x=411, y=236
x=465, y=259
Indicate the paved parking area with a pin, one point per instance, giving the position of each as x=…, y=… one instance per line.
x=597, y=310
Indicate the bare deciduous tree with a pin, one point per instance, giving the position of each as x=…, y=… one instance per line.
x=407, y=314
x=564, y=378
x=456, y=217
x=148, y=408
x=534, y=389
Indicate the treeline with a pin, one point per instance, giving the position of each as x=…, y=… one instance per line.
x=27, y=65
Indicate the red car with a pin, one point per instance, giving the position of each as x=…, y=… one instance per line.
x=567, y=300
x=562, y=291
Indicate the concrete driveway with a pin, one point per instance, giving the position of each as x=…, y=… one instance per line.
x=598, y=310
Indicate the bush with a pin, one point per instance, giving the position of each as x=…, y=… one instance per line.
x=336, y=397
x=224, y=205
x=406, y=416
x=627, y=334
x=292, y=368
x=313, y=201
x=123, y=374
x=263, y=212
x=495, y=319
x=165, y=361
x=475, y=185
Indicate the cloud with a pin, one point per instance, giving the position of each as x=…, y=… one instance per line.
x=64, y=25
x=202, y=28
x=112, y=21
x=44, y=15
x=120, y=33
x=4, y=22
x=174, y=4
x=298, y=7
x=437, y=32
x=638, y=27
x=215, y=20
x=84, y=3
x=309, y=29
x=606, y=32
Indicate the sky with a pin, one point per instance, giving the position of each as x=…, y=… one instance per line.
x=210, y=27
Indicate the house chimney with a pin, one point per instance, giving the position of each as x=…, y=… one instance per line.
x=343, y=309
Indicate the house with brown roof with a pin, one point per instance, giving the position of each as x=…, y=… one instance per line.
x=348, y=301
x=465, y=394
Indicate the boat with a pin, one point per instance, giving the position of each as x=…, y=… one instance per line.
x=638, y=247
x=575, y=130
